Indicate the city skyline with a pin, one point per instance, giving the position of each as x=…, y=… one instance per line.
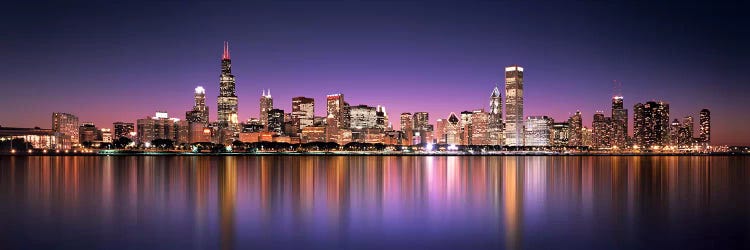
x=549, y=89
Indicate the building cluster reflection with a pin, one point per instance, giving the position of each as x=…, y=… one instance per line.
x=269, y=201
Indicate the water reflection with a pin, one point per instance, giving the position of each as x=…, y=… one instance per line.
x=374, y=202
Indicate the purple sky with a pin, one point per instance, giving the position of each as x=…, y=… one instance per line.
x=121, y=62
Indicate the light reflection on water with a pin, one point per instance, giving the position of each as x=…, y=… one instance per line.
x=238, y=202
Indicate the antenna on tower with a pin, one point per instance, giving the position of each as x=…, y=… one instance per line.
x=616, y=88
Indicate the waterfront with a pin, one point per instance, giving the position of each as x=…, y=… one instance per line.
x=374, y=202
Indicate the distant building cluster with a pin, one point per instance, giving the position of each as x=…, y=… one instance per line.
x=362, y=123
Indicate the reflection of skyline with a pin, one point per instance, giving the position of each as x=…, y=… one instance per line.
x=341, y=201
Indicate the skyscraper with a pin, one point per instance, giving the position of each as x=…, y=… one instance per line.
x=576, y=130
x=335, y=109
x=88, y=133
x=619, y=122
x=123, y=129
x=275, y=118
x=674, y=133
x=266, y=104
x=705, y=126
x=199, y=113
x=514, y=122
x=67, y=125
x=453, y=130
x=685, y=132
x=496, y=118
x=651, y=124
x=382, y=118
x=407, y=127
x=421, y=120
x=560, y=134
x=363, y=117
x=480, y=123
x=601, y=131
x=303, y=112
x=227, y=99
x=537, y=131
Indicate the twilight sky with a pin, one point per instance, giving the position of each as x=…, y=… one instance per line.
x=108, y=62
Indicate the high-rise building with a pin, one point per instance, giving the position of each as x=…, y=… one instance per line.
x=123, y=129
x=407, y=127
x=106, y=135
x=227, y=101
x=303, y=112
x=705, y=126
x=576, y=129
x=199, y=113
x=422, y=127
x=347, y=115
x=537, y=131
x=421, y=120
x=686, y=131
x=453, y=130
x=480, y=128
x=335, y=109
x=619, y=122
x=440, y=126
x=161, y=126
x=382, y=118
x=651, y=124
x=496, y=118
x=363, y=117
x=88, y=132
x=602, y=131
x=514, y=120
x=465, y=127
x=560, y=134
x=266, y=104
x=67, y=125
x=674, y=133
x=276, y=121
x=586, y=137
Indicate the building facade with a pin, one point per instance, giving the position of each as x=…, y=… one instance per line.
x=705, y=126
x=335, y=109
x=496, y=118
x=67, y=125
x=227, y=100
x=514, y=119
x=362, y=117
x=537, y=131
x=303, y=112
x=651, y=124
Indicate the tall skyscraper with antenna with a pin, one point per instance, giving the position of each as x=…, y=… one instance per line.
x=266, y=105
x=227, y=100
x=619, y=117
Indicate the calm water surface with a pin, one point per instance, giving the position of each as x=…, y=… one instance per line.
x=312, y=202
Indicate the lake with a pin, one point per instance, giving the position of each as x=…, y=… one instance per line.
x=374, y=202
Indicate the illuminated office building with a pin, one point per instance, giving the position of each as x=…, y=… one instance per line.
x=576, y=130
x=651, y=124
x=537, y=131
x=705, y=126
x=67, y=125
x=303, y=112
x=514, y=119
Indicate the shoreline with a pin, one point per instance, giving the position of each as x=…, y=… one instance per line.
x=371, y=153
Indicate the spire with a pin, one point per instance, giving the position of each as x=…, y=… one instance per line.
x=225, y=55
x=263, y=92
x=269, y=92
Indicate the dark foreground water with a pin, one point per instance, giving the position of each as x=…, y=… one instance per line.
x=357, y=202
